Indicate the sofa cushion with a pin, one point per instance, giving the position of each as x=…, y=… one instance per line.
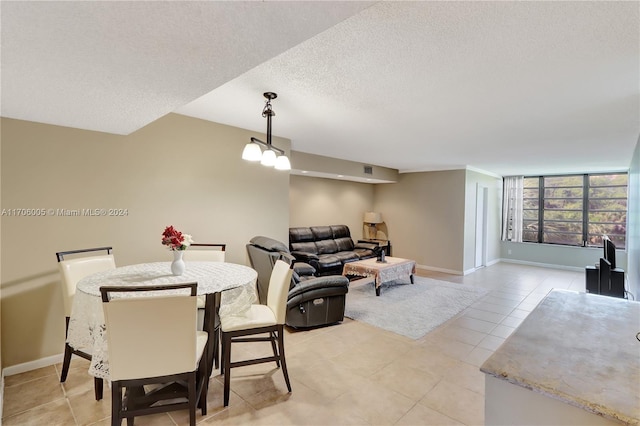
x=322, y=232
x=340, y=231
x=307, y=247
x=364, y=253
x=347, y=256
x=300, y=234
x=344, y=244
x=328, y=261
x=327, y=246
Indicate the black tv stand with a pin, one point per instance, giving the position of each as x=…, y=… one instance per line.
x=604, y=280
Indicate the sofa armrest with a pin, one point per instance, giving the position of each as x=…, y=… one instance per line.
x=287, y=257
x=303, y=256
x=367, y=246
x=330, y=285
x=320, y=282
x=304, y=269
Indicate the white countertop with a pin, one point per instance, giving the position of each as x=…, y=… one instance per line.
x=579, y=348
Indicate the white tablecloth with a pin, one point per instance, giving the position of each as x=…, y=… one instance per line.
x=86, y=326
x=394, y=268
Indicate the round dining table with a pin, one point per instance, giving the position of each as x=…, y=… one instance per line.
x=236, y=284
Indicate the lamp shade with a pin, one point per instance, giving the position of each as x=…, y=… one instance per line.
x=372, y=217
x=282, y=163
x=268, y=158
x=252, y=152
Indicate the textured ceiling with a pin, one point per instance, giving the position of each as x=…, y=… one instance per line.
x=117, y=66
x=506, y=87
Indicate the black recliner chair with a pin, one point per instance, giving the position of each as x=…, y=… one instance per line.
x=312, y=301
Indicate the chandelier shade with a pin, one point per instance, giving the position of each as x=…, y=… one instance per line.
x=282, y=163
x=252, y=152
x=268, y=158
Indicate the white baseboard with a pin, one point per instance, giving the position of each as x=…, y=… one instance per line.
x=453, y=272
x=544, y=265
x=493, y=262
x=32, y=365
x=472, y=270
x=433, y=268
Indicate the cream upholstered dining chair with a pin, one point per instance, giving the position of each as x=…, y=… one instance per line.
x=259, y=319
x=208, y=252
x=79, y=264
x=205, y=252
x=152, y=339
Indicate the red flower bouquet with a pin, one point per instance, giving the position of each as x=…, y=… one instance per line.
x=175, y=239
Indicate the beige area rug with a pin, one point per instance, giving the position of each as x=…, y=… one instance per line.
x=411, y=310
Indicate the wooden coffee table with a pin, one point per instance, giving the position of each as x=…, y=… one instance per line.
x=392, y=269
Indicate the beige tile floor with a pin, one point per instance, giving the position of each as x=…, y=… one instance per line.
x=351, y=374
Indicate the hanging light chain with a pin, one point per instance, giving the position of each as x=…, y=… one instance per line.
x=267, y=110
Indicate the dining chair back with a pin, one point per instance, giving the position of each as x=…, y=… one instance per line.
x=204, y=252
x=76, y=268
x=258, y=320
x=278, y=290
x=147, y=346
x=75, y=265
x=208, y=252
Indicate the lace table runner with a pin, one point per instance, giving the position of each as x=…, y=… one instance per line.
x=86, y=326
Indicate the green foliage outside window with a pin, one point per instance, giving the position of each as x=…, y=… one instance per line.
x=575, y=209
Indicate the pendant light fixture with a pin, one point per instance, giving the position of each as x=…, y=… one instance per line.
x=272, y=156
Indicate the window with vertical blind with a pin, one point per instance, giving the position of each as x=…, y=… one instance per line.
x=575, y=210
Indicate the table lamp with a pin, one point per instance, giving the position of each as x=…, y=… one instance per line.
x=372, y=219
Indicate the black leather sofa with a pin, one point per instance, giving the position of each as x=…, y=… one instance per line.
x=312, y=301
x=327, y=248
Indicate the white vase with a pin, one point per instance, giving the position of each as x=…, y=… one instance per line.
x=177, y=266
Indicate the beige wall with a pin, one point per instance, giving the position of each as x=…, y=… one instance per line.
x=419, y=210
x=176, y=171
x=319, y=201
x=425, y=217
x=334, y=166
